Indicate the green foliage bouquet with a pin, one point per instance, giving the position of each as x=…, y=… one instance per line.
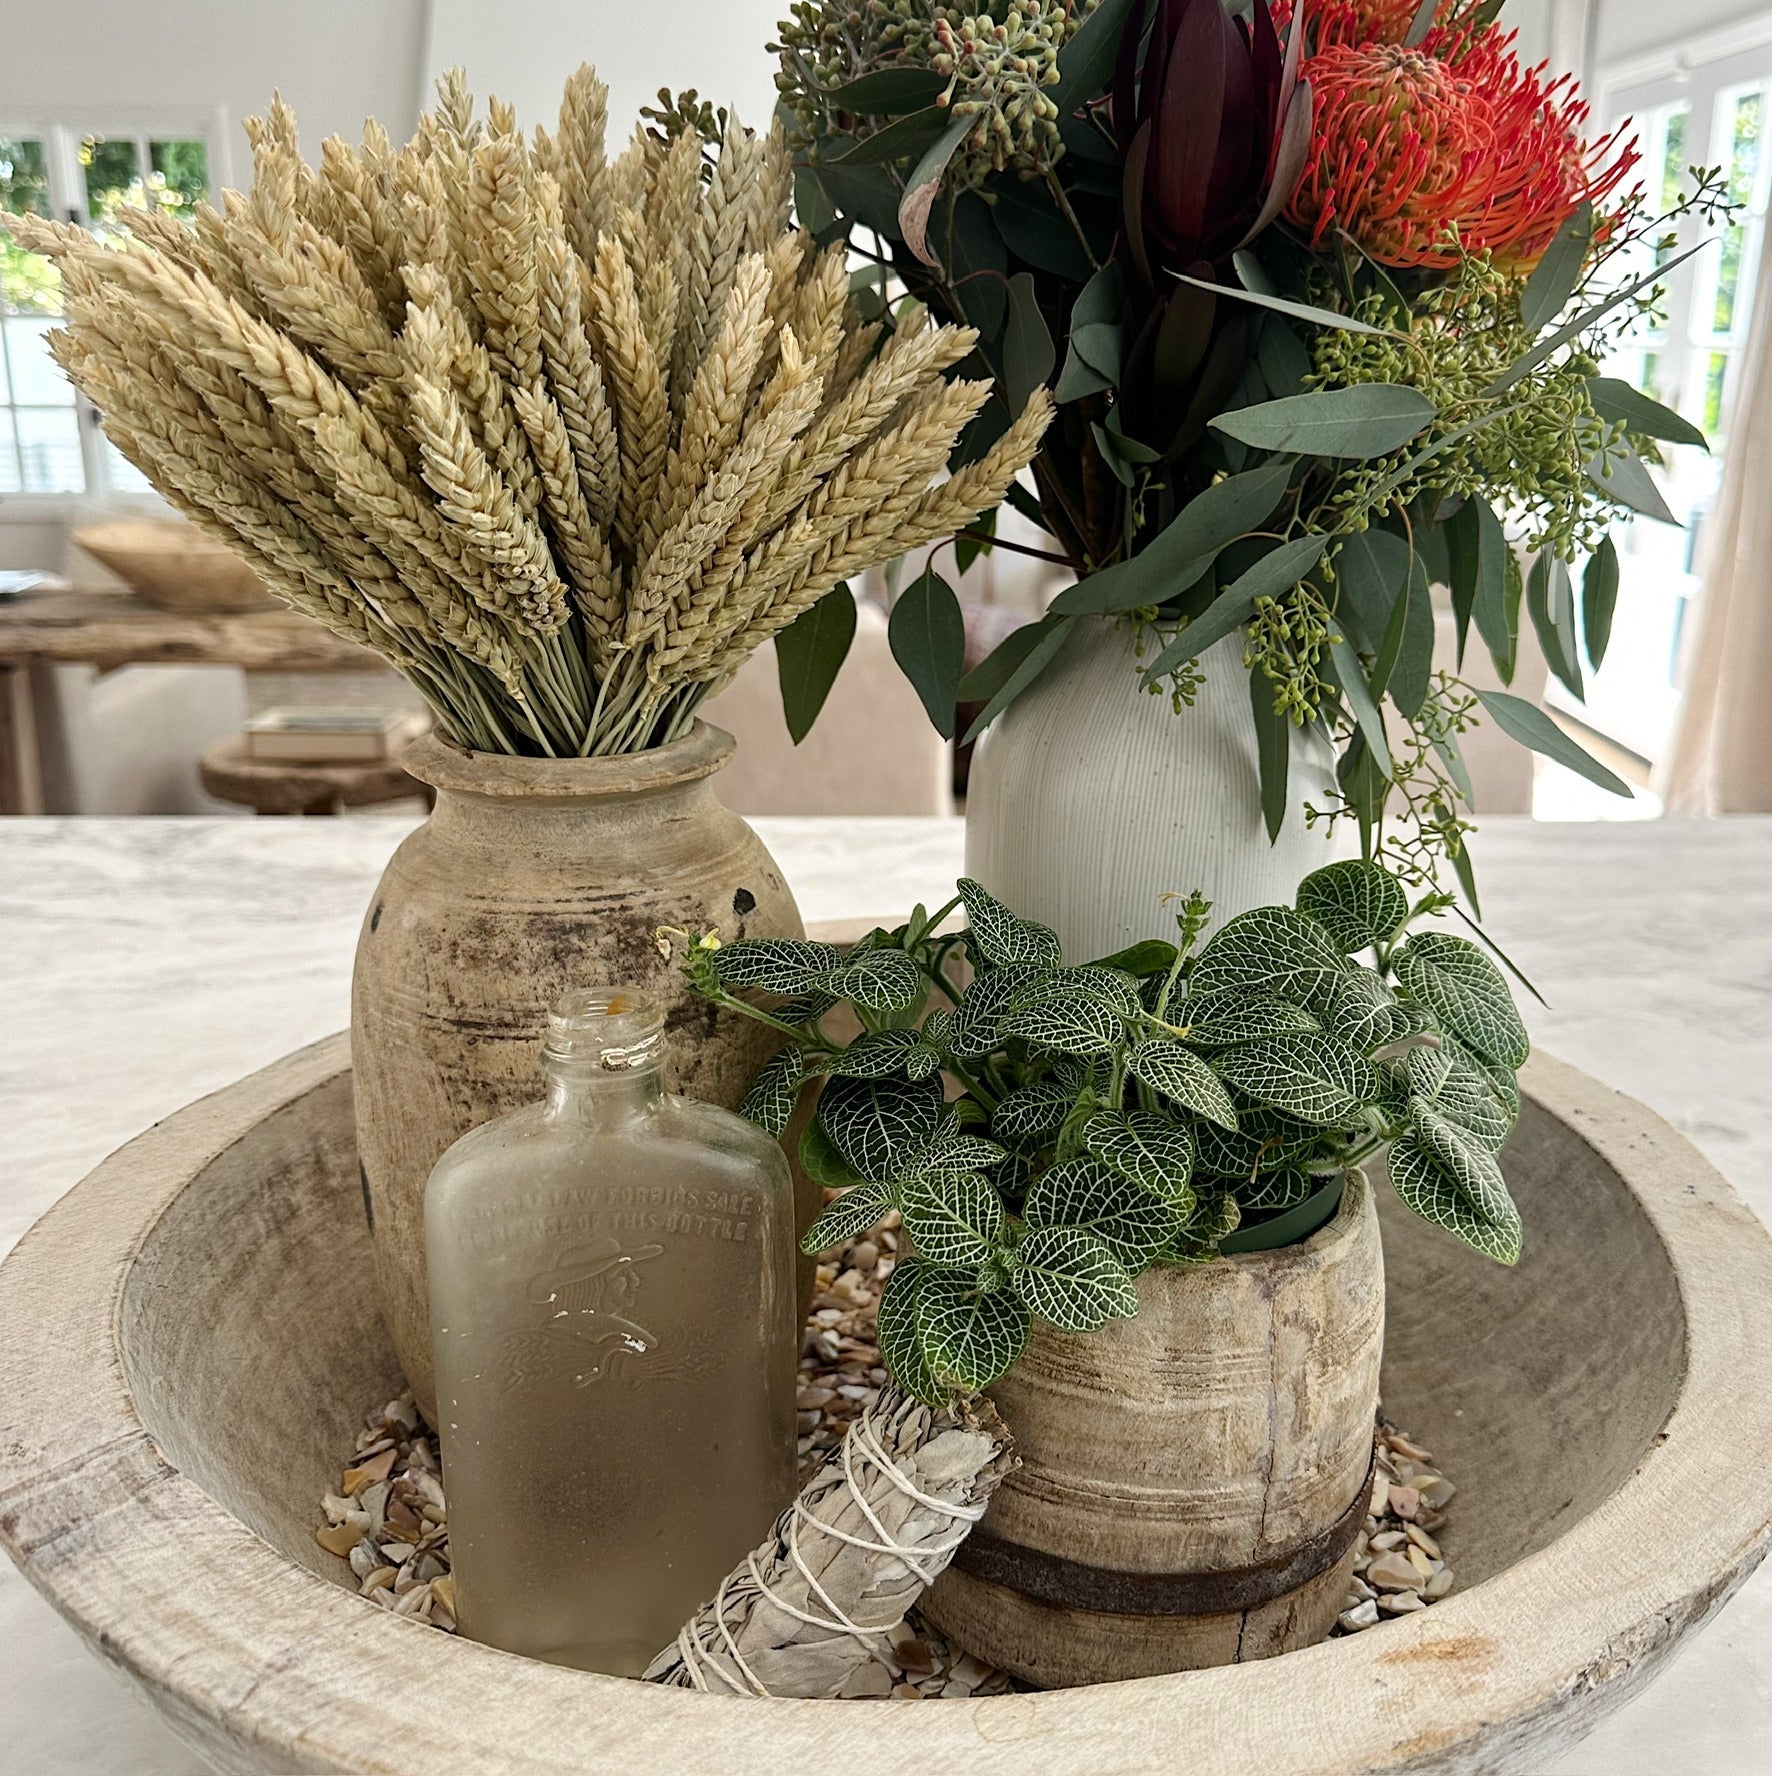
x=1047, y=1132
x=1323, y=290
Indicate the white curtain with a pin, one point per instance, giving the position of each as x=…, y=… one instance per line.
x=1720, y=761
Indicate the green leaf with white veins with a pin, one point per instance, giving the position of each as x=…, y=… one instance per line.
x=1180, y=1075
x=776, y=1090
x=1465, y=992
x=978, y=1024
x=1318, y=1079
x=1359, y=1009
x=968, y=1337
x=1002, y=937
x=1114, y=990
x=774, y=964
x=1471, y=1165
x=880, y=980
x=956, y=1220
x=950, y=1151
x=1155, y=1153
x=856, y=1211
x=1358, y=904
x=1068, y=1023
x=900, y=1346
x=1275, y=1192
x=1267, y=950
x=1084, y=1193
x=873, y=1122
x=873, y=1055
x=1432, y=1192
x=1459, y=1092
x=1072, y=1279
x=1222, y=1020
x=1032, y=1112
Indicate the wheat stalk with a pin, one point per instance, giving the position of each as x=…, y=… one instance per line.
x=563, y=438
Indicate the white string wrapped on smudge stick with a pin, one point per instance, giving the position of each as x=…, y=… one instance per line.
x=869, y=1533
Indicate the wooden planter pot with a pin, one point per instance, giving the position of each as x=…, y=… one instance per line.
x=1192, y=1480
x=531, y=876
x=189, y=1339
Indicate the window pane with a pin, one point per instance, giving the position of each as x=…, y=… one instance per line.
x=37, y=378
x=179, y=175
x=1743, y=162
x=121, y=475
x=1673, y=156
x=10, y=480
x=113, y=177
x=1716, y=375
x=49, y=444
x=27, y=280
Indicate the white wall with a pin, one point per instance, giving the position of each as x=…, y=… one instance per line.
x=524, y=49
x=173, y=62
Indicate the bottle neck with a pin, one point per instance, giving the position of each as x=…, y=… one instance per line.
x=581, y=1091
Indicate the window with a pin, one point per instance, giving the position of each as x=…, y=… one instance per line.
x=1708, y=104
x=50, y=441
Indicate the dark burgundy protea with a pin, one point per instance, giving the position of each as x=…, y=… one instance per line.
x=1213, y=125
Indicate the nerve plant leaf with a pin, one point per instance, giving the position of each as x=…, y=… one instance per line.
x=1001, y=936
x=968, y=1337
x=1434, y=1193
x=776, y=1090
x=775, y=964
x=1316, y=1078
x=952, y=1220
x=1133, y=1223
x=1155, y=1153
x=1072, y=1279
x=880, y=980
x=1267, y=950
x=1180, y=1075
x=901, y=1347
x=1358, y=904
x=1068, y=1023
x=859, y=1209
x=1465, y=992
x=1221, y=1020
x=872, y=1122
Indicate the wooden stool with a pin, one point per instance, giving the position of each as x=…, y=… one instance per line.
x=283, y=786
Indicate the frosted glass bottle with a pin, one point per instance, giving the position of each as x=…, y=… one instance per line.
x=614, y=1320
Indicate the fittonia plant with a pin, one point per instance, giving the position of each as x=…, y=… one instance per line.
x=1159, y=1106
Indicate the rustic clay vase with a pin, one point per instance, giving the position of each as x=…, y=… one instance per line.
x=1192, y=1480
x=531, y=876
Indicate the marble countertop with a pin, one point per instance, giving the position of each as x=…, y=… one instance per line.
x=146, y=962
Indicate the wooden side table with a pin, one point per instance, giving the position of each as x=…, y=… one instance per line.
x=111, y=629
x=285, y=786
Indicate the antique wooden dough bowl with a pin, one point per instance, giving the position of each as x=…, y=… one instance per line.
x=187, y=1342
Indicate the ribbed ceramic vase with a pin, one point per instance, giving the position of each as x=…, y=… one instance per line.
x=1090, y=799
x=532, y=876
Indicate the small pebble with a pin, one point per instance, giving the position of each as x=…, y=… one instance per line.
x=1405, y=1501
x=1400, y=1603
x=1362, y=1615
x=1392, y=1572
x=1423, y=1541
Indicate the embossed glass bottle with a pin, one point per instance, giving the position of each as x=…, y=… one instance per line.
x=613, y=1315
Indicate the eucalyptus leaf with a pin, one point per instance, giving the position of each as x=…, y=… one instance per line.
x=809, y=653
x=1180, y=554
x=1370, y=419
x=901, y=139
x=1623, y=476
x=1618, y=401
x=1558, y=271
x=1599, y=598
x=1086, y=63
x=1028, y=355
x=1528, y=724
x=924, y=185
x=1274, y=575
x=1045, y=639
x=888, y=91
x=927, y=635
x=1298, y=311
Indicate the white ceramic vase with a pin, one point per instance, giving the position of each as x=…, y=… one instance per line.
x=1090, y=799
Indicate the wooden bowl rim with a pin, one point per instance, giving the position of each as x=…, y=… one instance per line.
x=1522, y=1659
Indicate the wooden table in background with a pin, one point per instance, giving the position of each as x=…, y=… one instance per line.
x=112, y=629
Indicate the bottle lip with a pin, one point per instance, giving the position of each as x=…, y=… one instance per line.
x=615, y=1029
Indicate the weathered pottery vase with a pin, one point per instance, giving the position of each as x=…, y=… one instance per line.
x=531, y=876
x=1090, y=799
x=1192, y=1480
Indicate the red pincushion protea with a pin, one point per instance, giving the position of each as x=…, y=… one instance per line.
x=1421, y=154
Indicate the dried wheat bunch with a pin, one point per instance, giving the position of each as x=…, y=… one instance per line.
x=564, y=437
